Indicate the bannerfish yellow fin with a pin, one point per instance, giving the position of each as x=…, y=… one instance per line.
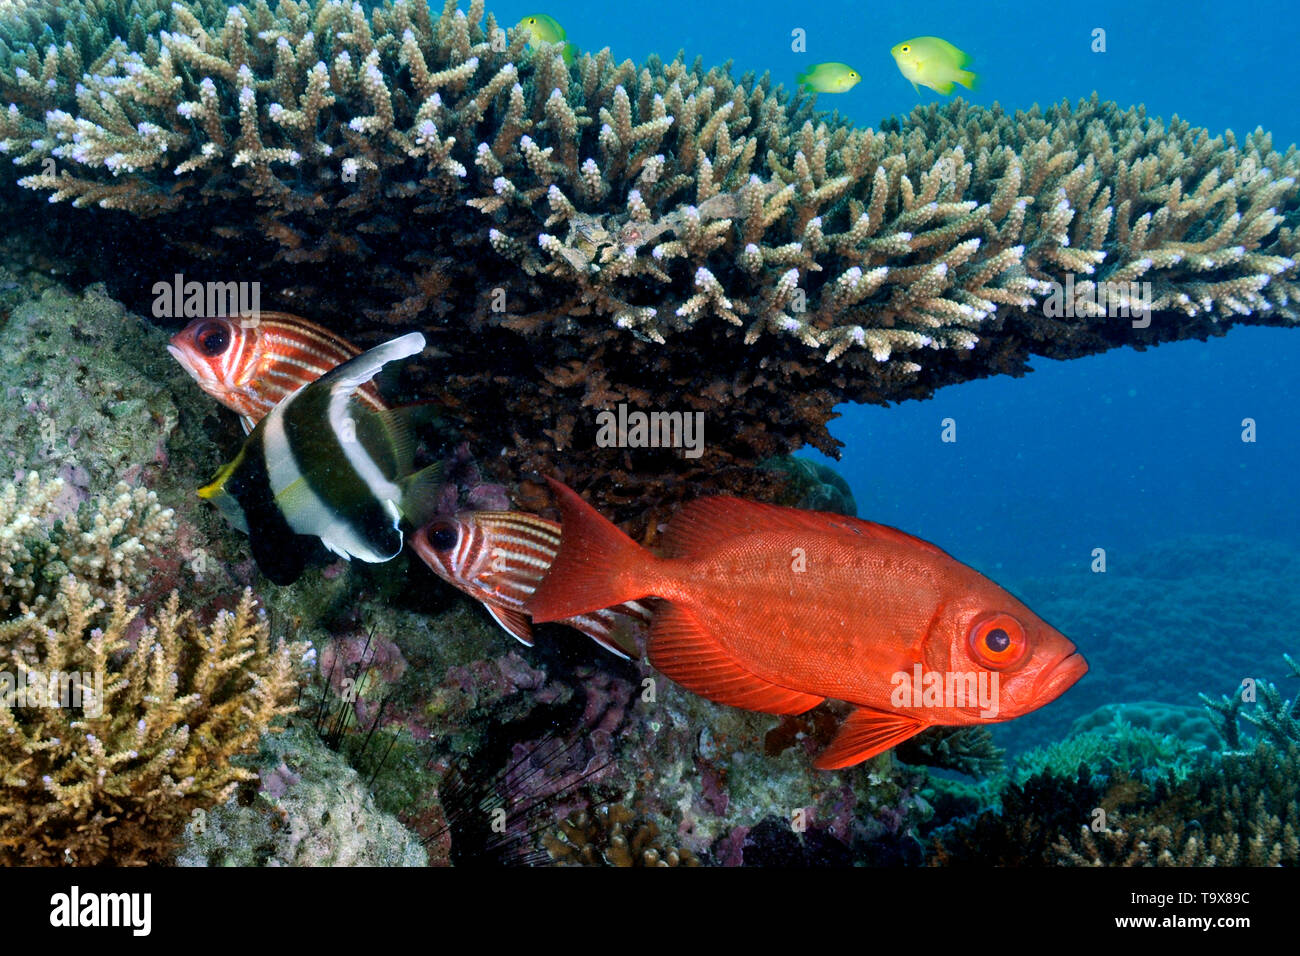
x=864, y=734
x=420, y=495
x=682, y=649
x=515, y=623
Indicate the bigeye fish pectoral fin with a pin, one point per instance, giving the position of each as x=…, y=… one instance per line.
x=515, y=623
x=864, y=734
x=686, y=652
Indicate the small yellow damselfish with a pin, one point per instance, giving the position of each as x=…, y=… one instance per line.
x=829, y=78
x=542, y=28
x=932, y=62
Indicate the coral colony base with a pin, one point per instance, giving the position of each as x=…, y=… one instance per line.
x=585, y=243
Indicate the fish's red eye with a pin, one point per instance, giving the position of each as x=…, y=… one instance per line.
x=212, y=338
x=998, y=641
x=443, y=536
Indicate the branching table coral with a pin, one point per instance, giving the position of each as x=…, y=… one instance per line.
x=661, y=235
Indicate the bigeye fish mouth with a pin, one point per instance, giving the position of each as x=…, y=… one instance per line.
x=1059, y=678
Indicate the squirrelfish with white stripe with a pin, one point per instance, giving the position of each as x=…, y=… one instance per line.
x=499, y=558
x=251, y=365
x=322, y=465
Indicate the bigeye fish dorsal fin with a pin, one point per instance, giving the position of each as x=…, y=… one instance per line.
x=681, y=648
x=704, y=522
x=865, y=733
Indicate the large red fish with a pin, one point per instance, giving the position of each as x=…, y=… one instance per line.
x=775, y=609
x=250, y=366
x=498, y=557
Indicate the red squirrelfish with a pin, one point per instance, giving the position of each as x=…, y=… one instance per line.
x=499, y=557
x=251, y=365
x=775, y=609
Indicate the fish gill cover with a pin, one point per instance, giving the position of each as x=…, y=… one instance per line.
x=656, y=233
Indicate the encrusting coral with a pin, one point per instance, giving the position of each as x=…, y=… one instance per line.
x=113, y=733
x=660, y=235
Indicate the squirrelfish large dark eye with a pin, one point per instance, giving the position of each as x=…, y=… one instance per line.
x=212, y=338
x=998, y=641
x=443, y=535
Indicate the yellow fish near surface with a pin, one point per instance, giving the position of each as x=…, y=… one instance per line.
x=829, y=78
x=546, y=29
x=932, y=62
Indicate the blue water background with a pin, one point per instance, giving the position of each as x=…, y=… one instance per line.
x=1110, y=451
x=1120, y=451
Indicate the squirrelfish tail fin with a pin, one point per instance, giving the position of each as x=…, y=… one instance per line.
x=596, y=565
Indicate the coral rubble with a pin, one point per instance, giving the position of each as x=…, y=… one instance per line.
x=311, y=809
x=656, y=234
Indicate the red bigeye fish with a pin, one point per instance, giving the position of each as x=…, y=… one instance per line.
x=498, y=557
x=251, y=365
x=775, y=609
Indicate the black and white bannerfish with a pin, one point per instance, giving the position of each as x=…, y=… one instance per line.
x=323, y=465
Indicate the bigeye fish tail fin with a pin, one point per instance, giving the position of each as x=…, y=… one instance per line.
x=804, y=79
x=967, y=79
x=864, y=734
x=420, y=494
x=515, y=623
x=681, y=648
x=593, y=568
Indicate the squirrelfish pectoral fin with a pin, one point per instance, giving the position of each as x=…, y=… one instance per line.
x=682, y=649
x=516, y=623
x=612, y=628
x=864, y=734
